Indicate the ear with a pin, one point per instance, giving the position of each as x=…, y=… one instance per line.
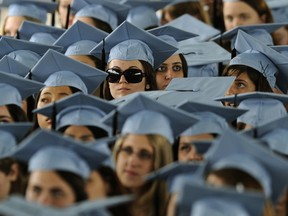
x=14, y=172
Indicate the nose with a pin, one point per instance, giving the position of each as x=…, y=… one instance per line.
x=122, y=79
x=133, y=160
x=194, y=156
x=236, y=22
x=230, y=91
x=45, y=199
x=169, y=74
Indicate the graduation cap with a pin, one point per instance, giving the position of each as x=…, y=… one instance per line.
x=143, y=13
x=260, y=31
x=233, y=150
x=202, y=146
x=264, y=59
x=107, y=11
x=25, y=52
x=16, y=88
x=10, y=135
x=200, y=53
x=172, y=35
x=279, y=10
x=142, y=115
x=274, y=134
x=80, y=38
x=47, y=150
x=39, y=33
x=129, y=42
x=213, y=118
x=263, y=106
x=203, y=200
x=78, y=109
x=283, y=49
x=10, y=65
x=194, y=25
x=56, y=69
x=30, y=8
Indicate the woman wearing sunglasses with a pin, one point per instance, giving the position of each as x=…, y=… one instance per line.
x=133, y=55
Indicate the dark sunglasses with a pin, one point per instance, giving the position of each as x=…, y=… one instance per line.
x=131, y=75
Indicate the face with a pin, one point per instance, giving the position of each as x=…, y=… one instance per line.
x=242, y=84
x=5, y=184
x=215, y=180
x=12, y=25
x=122, y=88
x=134, y=160
x=96, y=188
x=47, y=188
x=171, y=68
x=239, y=13
x=188, y=152
x=86, y=20
x=62, y=11
x=80, y=133
x=281, y=36
x=5, y=116
x=47, y=96
x=84, y=59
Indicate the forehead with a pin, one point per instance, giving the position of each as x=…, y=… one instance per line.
x=238, y=7
x=173, y=59
x=56, y=90
x=137, y=142
x=125, y=64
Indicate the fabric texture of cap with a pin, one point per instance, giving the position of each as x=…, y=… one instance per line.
x=56, y=69
x=80, y=38
x=10, y=65
x=39, y=33
x=129, y=42
x=107, y=11
x=143, y=115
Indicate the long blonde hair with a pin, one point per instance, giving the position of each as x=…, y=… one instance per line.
x=155, y=194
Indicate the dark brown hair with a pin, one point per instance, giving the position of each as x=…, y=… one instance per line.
x=17, y=113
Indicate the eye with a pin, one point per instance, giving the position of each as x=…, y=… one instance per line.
x=36, y=190
x=161, y=69
x=57, y=194
x=240, y=85
x=45, y=100
x=127, y=150
x=185, y=148
x=145, y=155
x=177, y=68
x=244, y=16
x=229, y=18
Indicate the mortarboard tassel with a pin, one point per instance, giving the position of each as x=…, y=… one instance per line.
x=67, y=17
x=53, y=127
x=115, y=123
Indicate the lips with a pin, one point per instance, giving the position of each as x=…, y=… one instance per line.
x=130, y=173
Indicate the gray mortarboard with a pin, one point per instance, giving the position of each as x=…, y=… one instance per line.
x=25, y=52
x=201, y=89
x=233, y=150
x=143, y=12
x=255, y=54
x=202, y=146
x=56, y=69
x=111, y=12
x=193, y=25
x=10, y=65
x=260, y=31
x=263, y=106
x=47, y=150
x=35, y=9
x=172, y=35
x=142, y=115
x=213, y=119
x=203, y=200
x=283, y=49
x=129, y=42
x=80, y=38
x=279, y=10
x=78, y=109
x=39, y=33
x=273, y=133
x=10, y=135
x=15, y=88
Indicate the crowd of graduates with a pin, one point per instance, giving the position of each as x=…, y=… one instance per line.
x=144, y=107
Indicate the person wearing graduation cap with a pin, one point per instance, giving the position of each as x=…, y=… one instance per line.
x=12, y=172
x=143, y=13
x=175, y=65
x=103, y=14
x=180, y=7
x=58, y=168
x=15, y=89
x=78, y=40
x=20, y=10
x=39, y=33
x=238, y=161
x=62, y=76
x=257, y=67
x=132, y=55
x=147, y=130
